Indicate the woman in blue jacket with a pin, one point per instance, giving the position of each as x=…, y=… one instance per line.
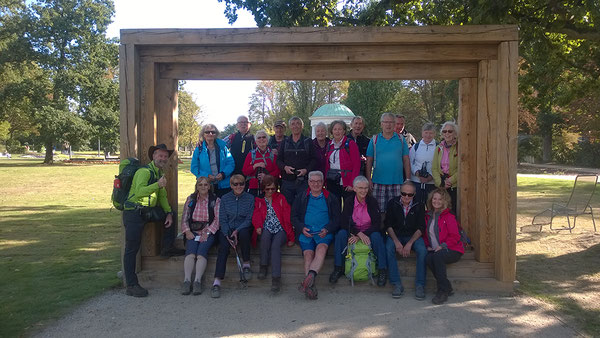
x=212, y=159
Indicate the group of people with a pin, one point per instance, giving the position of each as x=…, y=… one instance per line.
x=388, y=191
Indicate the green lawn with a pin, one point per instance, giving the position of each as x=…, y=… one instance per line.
x=59, y=244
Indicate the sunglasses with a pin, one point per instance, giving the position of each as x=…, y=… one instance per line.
x=210, y=132
x=238, y=184
x=409, y=194
x=447, y=131
x=260, y=137
x=270, y=189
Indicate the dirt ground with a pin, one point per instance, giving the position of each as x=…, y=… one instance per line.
x=254, y=312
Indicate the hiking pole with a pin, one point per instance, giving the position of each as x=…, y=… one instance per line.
x=243, y=280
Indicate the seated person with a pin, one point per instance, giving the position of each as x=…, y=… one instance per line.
x=442, y=240
x=200, y=225
x=315, y=216
x=271, y=219
x=361, y=220
x=405, y=221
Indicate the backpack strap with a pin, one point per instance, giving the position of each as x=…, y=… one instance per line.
x=416, y=146
x=212, y=201
x=374, y=140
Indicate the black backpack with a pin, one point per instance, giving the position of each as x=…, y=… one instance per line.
x=122, y=182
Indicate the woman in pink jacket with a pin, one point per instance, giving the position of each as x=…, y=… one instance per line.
x=343, y=161
x=442, y=240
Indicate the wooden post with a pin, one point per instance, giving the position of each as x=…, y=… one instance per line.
x=506, y=187
x=467, y=150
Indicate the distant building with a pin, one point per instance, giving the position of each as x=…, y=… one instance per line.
x=330, y=112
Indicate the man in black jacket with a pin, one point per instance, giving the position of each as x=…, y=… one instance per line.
x=240, y=143
x=356, y=133
x=315, y=216
x=405, y=223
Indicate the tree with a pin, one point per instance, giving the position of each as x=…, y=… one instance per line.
x=190, y=115
x=370, y=99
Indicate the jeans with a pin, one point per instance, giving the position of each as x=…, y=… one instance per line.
x=341, y=242
x=436, y=261
x=244, y=236
x=418, y=247
x=290, y=189
x=270, y=247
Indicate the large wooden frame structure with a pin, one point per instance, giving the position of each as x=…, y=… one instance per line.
x=483, y=58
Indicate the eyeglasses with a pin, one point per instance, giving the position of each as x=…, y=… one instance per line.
x=270, y=189
x=315, y=181
x=213, y=132
x=449, y=131
x=238, y=184
x=260, y=137
x=243, y=122
x=409, y=194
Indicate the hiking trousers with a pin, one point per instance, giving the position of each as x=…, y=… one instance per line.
x=436, y=261
x=244, y=236
x=134, y=225
x=270, y=247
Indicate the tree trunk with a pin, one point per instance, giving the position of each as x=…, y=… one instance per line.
x=547, y=148
x=49, y=159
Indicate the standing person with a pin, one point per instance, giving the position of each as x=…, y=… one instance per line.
x=356, y=133
x=315, y=216
x=421, y=158
x=240, y=143
x=320, y=143
x=360, y=221
x=200, y=226
x=212, y=159
x=147, y=190
x=343, y=161
x=295, y=159
x=235, y=217
x=271, y=220
x=445, y=162
x=387, y=162
x=276, y=140
x=259, y=162
x=442, y=240
x=400, y=129
x=405, y=224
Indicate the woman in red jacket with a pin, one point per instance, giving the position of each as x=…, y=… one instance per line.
x=259, y=162
x=442, y=240
x=343, y=161
x=271, y=219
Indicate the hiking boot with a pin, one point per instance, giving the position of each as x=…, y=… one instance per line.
x=440, y=298
x=398, y=291
x=420, y=292
x=186, y=287
x=247, y=273
x=311, y=292
x=338, y=272
x=136, y=291
x=382, y=277
x=308, y=281
x=197, y=288
x=215, y=292
x=451, y=292
x=262, y=272
x=276, y=284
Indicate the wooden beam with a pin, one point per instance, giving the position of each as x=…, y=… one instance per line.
x=404, y=71
x=129, y=101
x=487, y=130
x=319, y=54
x=467, y=150
x=323, y=35
x=508, y=56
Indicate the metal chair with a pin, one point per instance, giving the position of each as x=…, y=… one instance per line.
x=578, y=204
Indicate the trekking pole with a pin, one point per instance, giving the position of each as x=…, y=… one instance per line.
x=243, y=280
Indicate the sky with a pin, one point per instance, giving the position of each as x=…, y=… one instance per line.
x=221, y=101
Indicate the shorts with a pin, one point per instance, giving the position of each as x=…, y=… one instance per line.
x=197, y=248
x=385, y=192
x=310, y=243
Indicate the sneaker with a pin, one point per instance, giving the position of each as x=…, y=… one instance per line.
x=311, y=292
x=186, y=287
x=308, y=281
x=215, y=292
x=136, y=291
x=197, y=288
x=382, y=277
x=440, y=298
x=262, y=272
x=398, y=291
x=247, y=273
x=338, y=272
x=276, y=284
x=420, y=292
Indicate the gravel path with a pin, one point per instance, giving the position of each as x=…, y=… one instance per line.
x=254, y=312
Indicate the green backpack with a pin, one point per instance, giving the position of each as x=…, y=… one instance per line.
x=122, y=183
x=361, y=263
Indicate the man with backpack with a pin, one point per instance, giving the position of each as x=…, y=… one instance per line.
x=388, y=165
x=146, y=192
x=240, y=143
